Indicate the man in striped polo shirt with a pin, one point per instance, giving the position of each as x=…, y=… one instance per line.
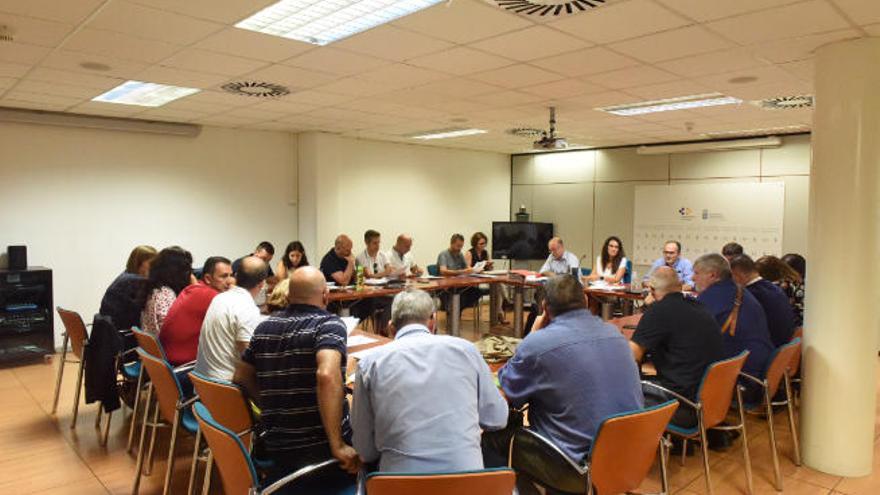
x=294, y=368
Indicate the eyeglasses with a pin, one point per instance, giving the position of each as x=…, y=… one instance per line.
x=670, y=252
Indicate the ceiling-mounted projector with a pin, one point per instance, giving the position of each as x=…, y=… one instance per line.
x=549, y=140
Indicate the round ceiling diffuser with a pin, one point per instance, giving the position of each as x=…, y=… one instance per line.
x=256, y=88
x=548, y=7
x=787, y=102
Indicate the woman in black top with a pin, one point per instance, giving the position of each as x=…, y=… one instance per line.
x=478, y=251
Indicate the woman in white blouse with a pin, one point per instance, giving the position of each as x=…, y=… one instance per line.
x=611, y=264
x=170, y=273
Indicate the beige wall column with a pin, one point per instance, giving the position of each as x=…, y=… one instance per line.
x=841, y=323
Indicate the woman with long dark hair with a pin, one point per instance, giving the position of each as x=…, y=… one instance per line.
x=170, y=272
x=788, y=277
x=611, y=263
x=294, y=257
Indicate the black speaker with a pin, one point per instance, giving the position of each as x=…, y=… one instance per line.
x=17, y=257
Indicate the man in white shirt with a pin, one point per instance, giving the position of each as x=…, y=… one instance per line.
x=560, y=261
x=230, y=322
x=375, y=262
x=421, y=401
x=400, y=258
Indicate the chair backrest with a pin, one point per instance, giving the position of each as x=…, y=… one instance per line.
x=75, y=329
x=627, y=276
x=626, y=446
x=586, y=271
x=227, y=404
x=149, y=343
x=166, y=389
x=716, y=389
x=232, y=458
x=493, y=481
x=433, y=270
x=780, y=361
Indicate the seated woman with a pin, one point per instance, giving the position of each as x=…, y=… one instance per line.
x=611, y=264
x=123, y=300
x=478, y=252
x=170, y=273
x=788, y=279
x=294, y=257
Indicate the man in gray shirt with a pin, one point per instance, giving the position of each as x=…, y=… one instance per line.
x=560, y=261
x=450, y=263
x=421, y=400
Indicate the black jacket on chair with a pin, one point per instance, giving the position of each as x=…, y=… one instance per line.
x=100, y=366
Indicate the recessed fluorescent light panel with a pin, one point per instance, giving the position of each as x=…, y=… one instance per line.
x=448, y=133
x=144, y=94
x=324, y=21
x=682, y=103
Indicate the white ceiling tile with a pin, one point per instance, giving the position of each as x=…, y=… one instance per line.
x=714, y=63
x=771, y=90
x=462, y=21
x=873, y=30
x=702, y=10
x=292, y=77
x=255, y=113
x=100, y=42
x=642, y=75
x=224, y=100
x=369, y=105
x=35, y=31
x=669, y=90
x=282, y=106
x=6, y=82
x=507, y=98
x=196, y=106
x=800, y=19
x=317, y=98
x=861, y=12
x=401, y=76
x=107, y=109
x=458, y=88
x=8, y=69
x=250, y=44
x=461, y=61
x=564, y=88
x=392, y=43
x=517, y=76
x=55, y=88
x=586, y=61
x=170, y=114
x=150, y=23
x=29, y=104
x=82, y=79
x=72, y=12
x=530, y=44
x=226, y=11
x=591, y=101
x=619, y=21
x=335, y=61
x=799, y=48
x=180, y=77
x=805, y=70
x=354, y=87
x=672, y=44
x=21, y=53
x=68, y=60
x=54, y=99
x=212, y=62
x=764, y=76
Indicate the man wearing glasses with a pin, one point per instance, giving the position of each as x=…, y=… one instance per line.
x=672, y=259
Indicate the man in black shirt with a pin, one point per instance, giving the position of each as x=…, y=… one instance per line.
x=683, y=339
x=265, y=251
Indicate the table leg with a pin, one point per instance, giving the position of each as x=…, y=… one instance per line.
x=607, y=308
x=627, y=307
x=518, y=311
x=455, y=316
x=344, y=310
x=493, y=303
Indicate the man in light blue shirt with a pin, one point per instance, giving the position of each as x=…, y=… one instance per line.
x=672, y=259
x=421, y=401
x=560, y=261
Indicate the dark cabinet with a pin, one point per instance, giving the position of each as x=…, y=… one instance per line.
x=26, y=315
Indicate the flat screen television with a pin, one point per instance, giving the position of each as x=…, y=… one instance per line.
x=521, y=240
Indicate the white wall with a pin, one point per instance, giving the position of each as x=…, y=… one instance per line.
x=351, y=185
x=589, y=195
x=80, y=199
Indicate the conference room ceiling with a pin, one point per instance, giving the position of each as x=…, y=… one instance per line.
x=464, y=63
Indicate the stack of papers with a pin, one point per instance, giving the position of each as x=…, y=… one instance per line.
x=350, y=323
x=376, y=281
x=354, y=340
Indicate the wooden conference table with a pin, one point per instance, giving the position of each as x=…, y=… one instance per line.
x=454, y=286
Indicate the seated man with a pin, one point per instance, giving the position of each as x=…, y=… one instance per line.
x=230, y=322
x=451, y=263
x=400, y=259
x=396, y=415
x=180, y=330
x=375, y=263
x=683, y=339
x=742, y=320
x=265, y=251
x=777, y=307
x=672, y=258
x=731, y=250
x=339, y=267
x=294, y=368
x=572, y=372
x=560, y=261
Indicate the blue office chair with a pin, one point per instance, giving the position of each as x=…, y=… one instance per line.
x=585, y=272
x=434, y=270
x=627, y=277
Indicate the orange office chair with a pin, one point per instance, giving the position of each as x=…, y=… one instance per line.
x=493, y=481
x=75, y=335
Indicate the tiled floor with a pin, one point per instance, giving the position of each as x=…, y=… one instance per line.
x=41, y=454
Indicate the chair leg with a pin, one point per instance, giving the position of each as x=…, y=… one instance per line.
x=209, y=465
x=170, y=464
x=142, y=444
x=60, y=374
x=134, y=410
x=664, y=477
x=106, y=434
x=192, y=467
x=745, y=446
x=684, y=450
x=704, y=445
x=775, y=454
x=154, y=427
x=79, y=384
x=789, y=404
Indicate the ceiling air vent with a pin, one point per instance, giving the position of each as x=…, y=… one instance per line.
x=787, y=102
x=545, y=8
x=256, y=89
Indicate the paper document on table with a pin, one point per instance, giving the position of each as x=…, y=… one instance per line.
x=479, y=267
x=376, y=281
x=364, y=353
x=533, y=278
x=350, y=323
x=354, y=340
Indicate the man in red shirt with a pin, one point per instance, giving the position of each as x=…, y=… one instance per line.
x=179, y=334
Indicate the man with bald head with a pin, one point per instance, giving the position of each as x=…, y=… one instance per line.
x=294, y=368
x=400, y=259
x=230, y=321
x=560, y=261
x=683, y=339
x=338, y=265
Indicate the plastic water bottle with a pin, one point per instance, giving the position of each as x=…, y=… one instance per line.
x=635, y=283
x=359, y=284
